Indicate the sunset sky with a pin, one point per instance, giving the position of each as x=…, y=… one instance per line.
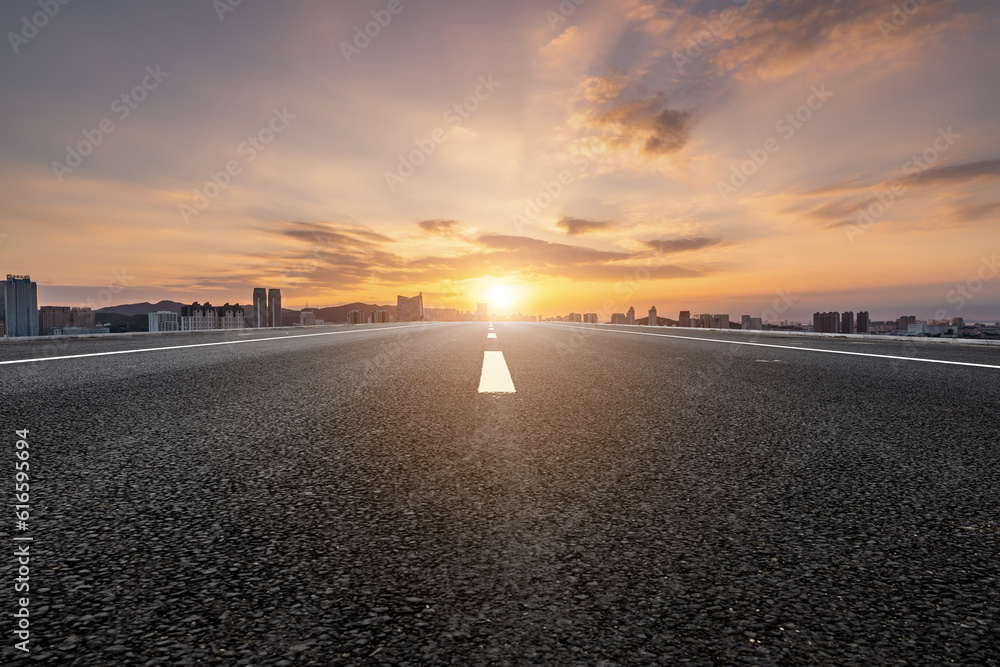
x=699, y=155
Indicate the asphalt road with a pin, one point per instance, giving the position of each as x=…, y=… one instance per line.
x=352, y=498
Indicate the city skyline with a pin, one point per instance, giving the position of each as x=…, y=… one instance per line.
x=703, y=156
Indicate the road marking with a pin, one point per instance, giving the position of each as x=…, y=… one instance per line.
x=490, y=335
x=181, y=347
x=495, y=378
x=793, y=347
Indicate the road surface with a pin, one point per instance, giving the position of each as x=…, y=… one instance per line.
x=373, y=495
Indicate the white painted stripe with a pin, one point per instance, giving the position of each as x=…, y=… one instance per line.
x=495, y=378
x=490, y=335
x=793, y=347
x=225, y=342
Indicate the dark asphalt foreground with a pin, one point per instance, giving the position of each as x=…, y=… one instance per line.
x=352, y=499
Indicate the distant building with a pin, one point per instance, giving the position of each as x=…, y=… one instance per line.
x=590, y=318
x=82, y=317
x=720, y=321
x=847, y=322
x=958, y=322
x=410, y=309
x=482, y=312
x=19, y=306
x=274, y=307
x=618, y=318
x=751, y=323
x=904, y=322
x=864, y=323
x=231, y=316
x=356, y=317
x=684, y=320
x=164, y=320
x=653, y=320
x=826, y=322
x=630, y=316
x=307, y=318
x=52, y=317
x=259, y=308
x=381, y=317
x=198, y=317
x=705, y=320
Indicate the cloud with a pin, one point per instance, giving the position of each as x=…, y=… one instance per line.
x=341, y=257
x=681, y=245
x=578, y=226
x=647, y=124
x=440, y=227
x=962, y=172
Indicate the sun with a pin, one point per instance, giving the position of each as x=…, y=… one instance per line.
x=500, y=297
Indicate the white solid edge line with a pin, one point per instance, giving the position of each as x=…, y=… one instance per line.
x=800, y=349
x=224, y=342
x=495, y=378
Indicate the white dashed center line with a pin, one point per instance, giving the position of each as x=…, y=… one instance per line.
x=495, y=378
x=490, y=335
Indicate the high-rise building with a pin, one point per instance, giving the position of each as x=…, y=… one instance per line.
x=82, y=317
x=684, y=320
x=307, y=318
x=630, y=316
x=827, y=322
x=618, y=318
x=720, y=321
x=958, y=322
x=864, y=323
x=653, y=320
x=381, y=317
x=590, y=318
x=231, y=316
x=20, y=306
x=904, y=322
x=164, y=320
x=260, y=308
x=357, y=317
x=52, y=317
x=274, y=307
x=410, y=309
x=847, y=322
x=705, y=320
x=198, y=317
x=751, y=323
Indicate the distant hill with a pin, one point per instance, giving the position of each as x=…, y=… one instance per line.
x=144, y=308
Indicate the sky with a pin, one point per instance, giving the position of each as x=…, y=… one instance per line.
x=752, y=157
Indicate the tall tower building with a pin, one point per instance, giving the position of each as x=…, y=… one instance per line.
x=20, y=306
x=259, y=307
x=685, y=319
x=630, y=316
x=274, y=307
x=847, y=322
x=653, y=321
x=864, y=324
